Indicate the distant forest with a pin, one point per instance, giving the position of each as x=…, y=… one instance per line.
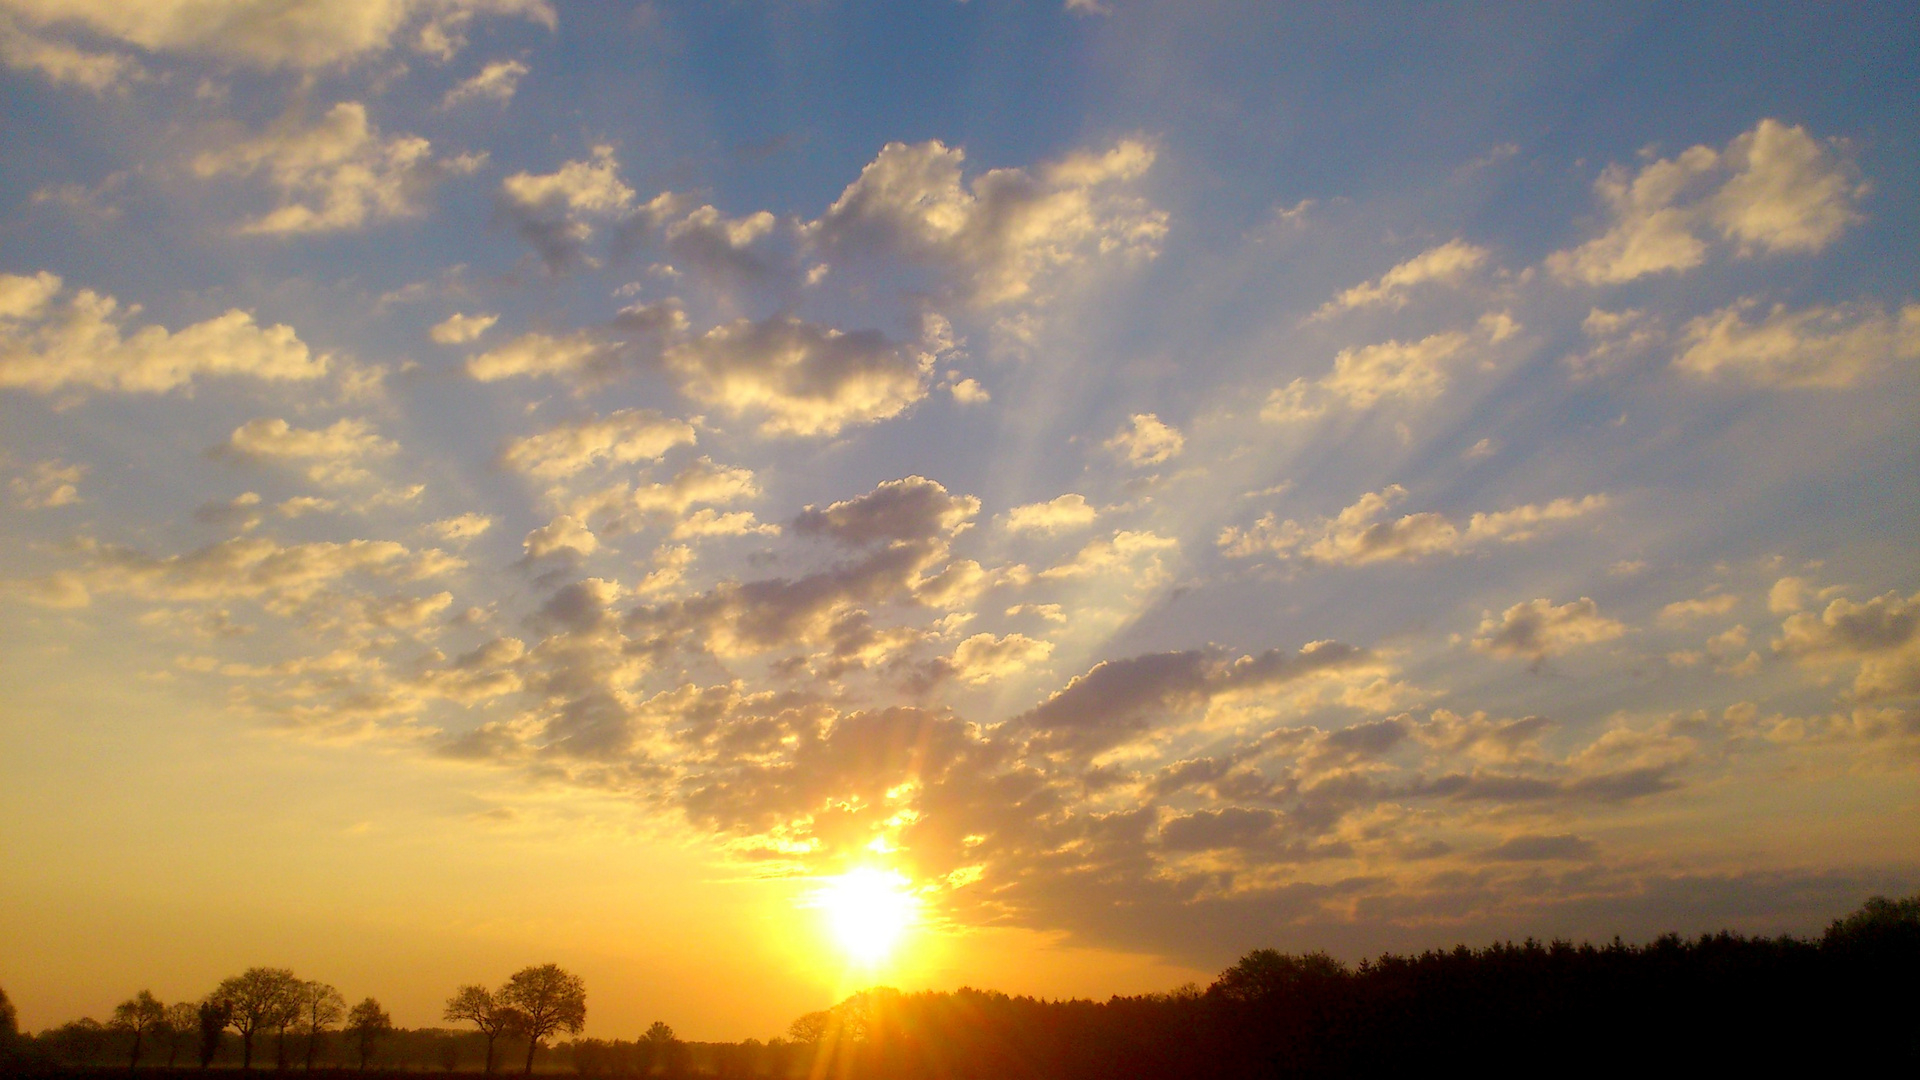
x=1846, y=1002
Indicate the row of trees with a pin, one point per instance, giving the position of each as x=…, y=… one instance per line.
x=1840, y=1004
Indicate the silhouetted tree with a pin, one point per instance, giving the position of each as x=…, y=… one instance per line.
x=664, y=1048
x=475, y=1004
x=811, y=1028
x=321, y=1007
x=366, y=1022
x=139, y=1015
x=9, y=1021
x=176, y=1028
x=213, y=1015
x=261, y=999
x=548, y=999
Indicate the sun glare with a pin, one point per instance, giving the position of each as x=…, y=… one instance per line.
x=868, y=910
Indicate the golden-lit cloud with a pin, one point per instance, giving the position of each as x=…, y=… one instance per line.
x=1358, y=535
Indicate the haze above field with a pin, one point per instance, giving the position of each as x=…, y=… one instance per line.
x=752, y=501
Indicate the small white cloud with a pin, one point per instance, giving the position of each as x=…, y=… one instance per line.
x=459, y=530
x=1357, y=535
x=48, y=484
x=561, y=536
x=1364, y=376
x=984, y=658
x=457, y=329
x=1445, y=264
x=1145, y=440
x=1069, y=511
x=1539, y=628
x=496, y=82
x=626, y=436
x=969, y=392
x=330, y=455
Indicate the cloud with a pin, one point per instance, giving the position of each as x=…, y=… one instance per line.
x=984, y=658
x=969, y=392
x=589, y=357
x=1774, y=189
x=625, y=508
x=1616, y=337
x=708, y=240
x=462, y=528
x=1011, y=232
x=1541, y=848
x=457, y=329
x=712, y=522
x=801, y=378
x=496, y=81
x=1060, y=514
x=273, y=33
x=626, y=436
x=1445, y=264
x=1363, y=376
x=47, y=346
x=561, y=536
x=1127, y=549
x=250, y=568
x=1816, y=347
x=331, y=453
x=338, y=173
x=1882, y=635
x=1357, y=535
x=1538, y=629
x=913, y=508
x=1682, y=611
x=63, y=62
x=555, y=212
x=1144, y=440
x=48, y=484
x=1118, y=700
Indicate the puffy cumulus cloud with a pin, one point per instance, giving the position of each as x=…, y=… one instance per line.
x=328, y=455
x=801, y=378
x=912, y=508
x=710, y=522
x=709, y=241
x=587, y=357
x=251, y=568
x=1821, y=346
x=459, y=328
x=1363, y=376
x=1060, y=514
x=1119, y=700
x=1773, y=189
x=626, y=436
x=555, y=211
x=1444, y=265
x=1539, y=628
x=627, y=508
x=47, y=345
x=563, y=536
x=1145, y=440
x=61, y=61
x=984, y=658
x=273, y=33
x=1881, y=635
x=495, y=82
x=1005, y=236
x=1358, y=535
x=338, y=173
x=48, y=484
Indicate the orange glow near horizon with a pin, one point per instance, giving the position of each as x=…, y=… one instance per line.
x=869, y=912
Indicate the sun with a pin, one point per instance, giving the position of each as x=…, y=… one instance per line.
x=869, y=911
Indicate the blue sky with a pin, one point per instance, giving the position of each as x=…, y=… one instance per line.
x=1163, y=480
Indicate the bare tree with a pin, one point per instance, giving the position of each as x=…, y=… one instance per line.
x=366, y=1022
x=261, y=999
x=320, y=1008
x=548, y=1000
x=475, y=1004
x=141, y=1015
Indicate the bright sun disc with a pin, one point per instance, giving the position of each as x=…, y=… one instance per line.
x=869, y=911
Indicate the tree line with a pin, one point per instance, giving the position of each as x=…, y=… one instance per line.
x=1842, y=1002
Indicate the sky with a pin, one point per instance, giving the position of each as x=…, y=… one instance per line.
x=490, y=482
